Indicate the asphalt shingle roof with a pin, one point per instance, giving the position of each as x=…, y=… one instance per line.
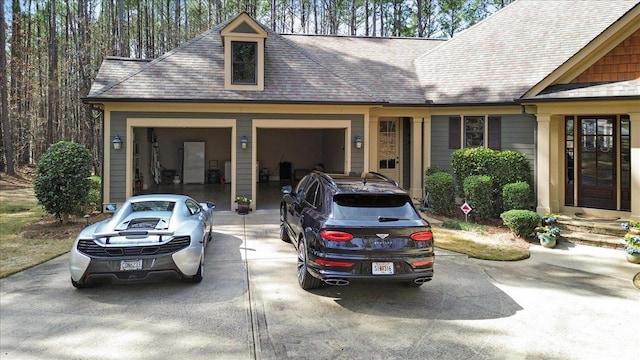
x=502, y=57
x=496, y=61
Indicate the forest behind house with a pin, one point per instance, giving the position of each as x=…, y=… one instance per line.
x=53, y=50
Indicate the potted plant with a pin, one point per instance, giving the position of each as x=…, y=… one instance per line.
x=243, y=204
x=632, y=242
x=548, y=231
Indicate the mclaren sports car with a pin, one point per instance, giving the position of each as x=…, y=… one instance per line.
x=148, y=236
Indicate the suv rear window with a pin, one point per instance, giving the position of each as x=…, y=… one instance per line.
x=372, y=207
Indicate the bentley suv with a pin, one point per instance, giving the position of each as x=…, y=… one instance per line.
x=348, y=228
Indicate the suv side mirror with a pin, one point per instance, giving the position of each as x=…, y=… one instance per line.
x=287, y=189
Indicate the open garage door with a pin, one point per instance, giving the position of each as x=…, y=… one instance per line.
x=285, y=155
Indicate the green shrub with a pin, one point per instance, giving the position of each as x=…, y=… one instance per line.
x=61, y=184
x=93, y=201
x=441, y=193
x=516, y=195
x=521, y=222
x=503, y=167
x=478, y=192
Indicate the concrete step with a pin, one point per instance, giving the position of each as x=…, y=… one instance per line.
x=603, y=227
x=593, y=239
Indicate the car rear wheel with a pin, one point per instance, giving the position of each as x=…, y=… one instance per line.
x=79, y=284
x=284, y=236
x=305, y=279
x=198, y=276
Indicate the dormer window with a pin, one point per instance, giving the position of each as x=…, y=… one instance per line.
x=244, y=67
x=244, y=41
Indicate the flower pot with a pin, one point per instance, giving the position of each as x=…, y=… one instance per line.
x=548, y=243
x=633, y=258
x=243, y=209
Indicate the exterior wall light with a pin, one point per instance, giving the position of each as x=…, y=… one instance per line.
x=244, y=142
x=117, y=143
x=358, y=142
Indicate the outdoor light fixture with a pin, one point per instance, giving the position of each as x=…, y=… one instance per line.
x=117, y=142
x=244, y=141
x=358, y=142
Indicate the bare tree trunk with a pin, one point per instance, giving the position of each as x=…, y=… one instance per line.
x=53, y=75
x=6, y=128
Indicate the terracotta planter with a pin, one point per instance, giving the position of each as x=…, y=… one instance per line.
x=633, y=258
x=243, y=209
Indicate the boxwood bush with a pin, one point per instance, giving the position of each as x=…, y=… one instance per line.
x=521, y=222
x=503, y=167
x=516, y=195
x=62, y=184
x=478, y=192
x=441, y=192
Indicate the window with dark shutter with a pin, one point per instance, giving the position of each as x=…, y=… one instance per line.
x=454, y=132
x=495, y=126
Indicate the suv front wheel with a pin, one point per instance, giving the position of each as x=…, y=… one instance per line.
x=305, y=279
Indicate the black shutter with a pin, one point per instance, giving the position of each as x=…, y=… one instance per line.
x=495, y=127
x=454, y=132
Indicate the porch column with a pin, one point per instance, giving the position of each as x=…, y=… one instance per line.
x=416, y=187
x=543, y=179
x=635, y=165
x=373, y=142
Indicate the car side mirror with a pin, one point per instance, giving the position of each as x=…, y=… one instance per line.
x=287, y=189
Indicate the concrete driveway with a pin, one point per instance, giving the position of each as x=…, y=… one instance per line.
x=566, y=303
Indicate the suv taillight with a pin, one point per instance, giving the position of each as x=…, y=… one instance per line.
x=333, y=235
x=422, y=236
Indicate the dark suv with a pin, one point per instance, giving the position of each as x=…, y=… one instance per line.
x=355, y=228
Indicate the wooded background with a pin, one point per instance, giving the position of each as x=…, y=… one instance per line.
x=52, y=53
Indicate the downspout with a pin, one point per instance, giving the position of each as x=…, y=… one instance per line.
x=101, y=115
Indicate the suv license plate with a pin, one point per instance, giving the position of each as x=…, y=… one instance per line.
x=382, y=268
x=131, y=265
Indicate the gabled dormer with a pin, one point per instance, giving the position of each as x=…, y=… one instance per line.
x=244, y=42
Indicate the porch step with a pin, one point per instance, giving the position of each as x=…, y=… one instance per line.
x=592, y=231
x=592, y=239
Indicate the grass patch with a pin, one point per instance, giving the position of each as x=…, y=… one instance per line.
x=19, y=210
x=457, y=225
x=462, y=242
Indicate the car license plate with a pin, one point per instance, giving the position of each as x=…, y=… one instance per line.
x=382, y=268
x=131, y=265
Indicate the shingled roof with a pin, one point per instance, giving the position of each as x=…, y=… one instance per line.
x=495, y=61
x=502, y=57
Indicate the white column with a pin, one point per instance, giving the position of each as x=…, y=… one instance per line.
x=635, y=165
x=543, y=180
x=416, y=187
x=373, y=142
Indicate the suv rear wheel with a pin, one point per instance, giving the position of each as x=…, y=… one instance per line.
x=305, y=279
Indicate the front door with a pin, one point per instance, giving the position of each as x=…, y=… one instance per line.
x=597, y=162
x=388, y=148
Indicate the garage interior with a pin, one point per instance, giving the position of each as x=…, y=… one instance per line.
x=196, y=161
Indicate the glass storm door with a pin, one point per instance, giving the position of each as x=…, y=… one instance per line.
x=597, y=163
x=388, y=152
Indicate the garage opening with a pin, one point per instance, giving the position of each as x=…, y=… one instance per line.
x=284, y=156
x=190, y=161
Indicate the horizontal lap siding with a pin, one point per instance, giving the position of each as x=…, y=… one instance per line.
x=440, y=152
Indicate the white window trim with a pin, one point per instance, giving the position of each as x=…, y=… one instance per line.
x=228, y=62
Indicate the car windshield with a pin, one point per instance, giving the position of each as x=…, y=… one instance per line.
x=152, y=206
x=373, y=207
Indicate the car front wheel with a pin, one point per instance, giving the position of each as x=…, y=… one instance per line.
x=305, y=279
x=284, y=236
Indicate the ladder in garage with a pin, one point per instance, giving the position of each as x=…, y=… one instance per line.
x=156, y=169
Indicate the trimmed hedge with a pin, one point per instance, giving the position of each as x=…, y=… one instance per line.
x=503, y=167
x=478, y=192
x=441, y=193
x=521, y=222
x=62, y=181
x=516, y=195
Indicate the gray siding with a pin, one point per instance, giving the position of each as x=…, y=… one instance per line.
x=517, y=133
x=244, y=166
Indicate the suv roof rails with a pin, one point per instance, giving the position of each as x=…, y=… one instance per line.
x=363, y=176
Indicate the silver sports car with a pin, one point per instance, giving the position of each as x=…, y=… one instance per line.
x=149, y=235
